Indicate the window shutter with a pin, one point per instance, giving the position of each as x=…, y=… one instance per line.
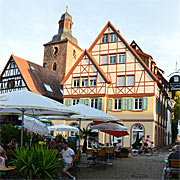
x=69, y=102
x=87, y=102
x=145, y=103
x=66, y=102
x=109, y=104
x=100, y=103
x=81, y=101
x=124, y=104
x=130, y=104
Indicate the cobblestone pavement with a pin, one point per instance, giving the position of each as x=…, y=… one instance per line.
x=140, y=167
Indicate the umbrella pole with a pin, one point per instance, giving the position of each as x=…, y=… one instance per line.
x=22, y=128
x=79, y=133
x=31, y=140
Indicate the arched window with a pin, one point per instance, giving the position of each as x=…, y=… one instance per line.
x=137, y=132
x=54, y=66
x=94, y=134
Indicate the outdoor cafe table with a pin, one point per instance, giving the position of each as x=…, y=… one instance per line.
x=6, y=170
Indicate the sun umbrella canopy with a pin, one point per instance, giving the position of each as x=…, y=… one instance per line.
x=114, y=129
x=35, y=126
x=31, y=103
x=89, y=113
x=110, y=126
x=62, y=128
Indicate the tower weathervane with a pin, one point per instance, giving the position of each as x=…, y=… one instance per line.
x=66, y=8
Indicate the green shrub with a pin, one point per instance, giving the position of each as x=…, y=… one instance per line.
x=124, y=150
x=8, y=132
x=36, y=163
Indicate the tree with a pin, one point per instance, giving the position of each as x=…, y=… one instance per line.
x=84, y=134
x=176, y=114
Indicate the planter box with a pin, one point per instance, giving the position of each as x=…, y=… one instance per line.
x=124, y=155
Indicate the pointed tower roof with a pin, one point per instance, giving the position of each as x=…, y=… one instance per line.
x=65, y=30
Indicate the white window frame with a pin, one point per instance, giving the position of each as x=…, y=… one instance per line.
x=117, y=107
x=48, y=87
x=103, y=59
x=113, y=58
x=76, y=80
x=84, y=82
x=94, y=103
x=113, y=37
x=132, y=84
x=105, y=38
x=122, y=58
x=75, y=101
x=138, y=101
x=93, y=80
x=121, y=85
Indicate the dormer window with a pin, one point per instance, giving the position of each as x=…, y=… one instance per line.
x=32, y=67
x=48, y=88
x=105, y=38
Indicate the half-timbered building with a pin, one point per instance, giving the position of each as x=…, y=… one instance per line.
x=122, y=80
x=21, y=74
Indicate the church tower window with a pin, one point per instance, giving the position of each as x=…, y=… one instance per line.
x=54, y=66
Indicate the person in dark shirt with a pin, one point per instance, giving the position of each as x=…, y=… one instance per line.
x=175, y=154
x=172, y=155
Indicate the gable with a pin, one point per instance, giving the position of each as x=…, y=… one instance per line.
x=11, y=78
x=121, y=44
x=85, y=64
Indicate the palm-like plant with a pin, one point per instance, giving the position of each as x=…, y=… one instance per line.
x=85, y=133
x=36, y=163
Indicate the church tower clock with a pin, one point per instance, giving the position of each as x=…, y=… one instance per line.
x=62, y=51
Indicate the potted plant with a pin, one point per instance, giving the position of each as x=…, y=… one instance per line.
x=124, y=152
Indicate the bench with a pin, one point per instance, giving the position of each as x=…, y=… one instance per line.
x=173, y=167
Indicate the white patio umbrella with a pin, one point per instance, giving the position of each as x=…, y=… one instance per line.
x=110, y=126
x=27, y=103
x=35, y=126
x=84, y=113
x=62, y=128
x=114, y=129
x=89, y=113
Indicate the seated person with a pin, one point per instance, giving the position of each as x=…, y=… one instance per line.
x=3, y=157
x=118, y=147
x=13, y=144
x=68, y=158
x=172, y=155
x=95, y=144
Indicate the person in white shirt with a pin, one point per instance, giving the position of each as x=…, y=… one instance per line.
x=3, y=157
x=68, y=157
x=118, y=147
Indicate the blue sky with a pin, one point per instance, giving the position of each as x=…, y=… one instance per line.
x=153, y=24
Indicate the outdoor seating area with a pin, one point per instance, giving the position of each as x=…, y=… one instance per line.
x=35, y=152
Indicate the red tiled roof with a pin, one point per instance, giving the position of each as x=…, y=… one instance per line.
x=35, y=79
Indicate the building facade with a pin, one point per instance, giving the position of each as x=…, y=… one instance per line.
x=122, y=80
